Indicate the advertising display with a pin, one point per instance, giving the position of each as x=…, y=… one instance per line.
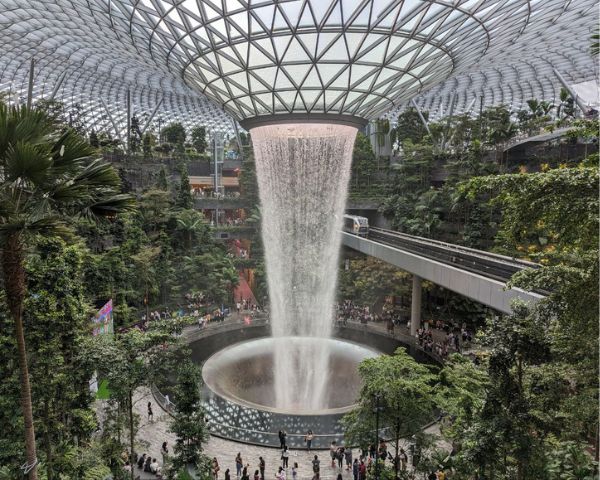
x=103, y=320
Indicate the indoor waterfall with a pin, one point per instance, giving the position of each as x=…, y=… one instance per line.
x=303, y=171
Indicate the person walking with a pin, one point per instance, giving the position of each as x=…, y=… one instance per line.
x=227, y=475
x=332, y=453
x=239, y=464
x=150, y=413
x=261, y=467
x=256, y=475
x=285, y=457
x=295, y=471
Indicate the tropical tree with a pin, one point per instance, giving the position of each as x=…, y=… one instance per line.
x=199, y=139
x=401, y=389
x=46, y=177
x=191, y=223
x=188, y=420
x=184, y=193
x=145, y=265
x=129, y=361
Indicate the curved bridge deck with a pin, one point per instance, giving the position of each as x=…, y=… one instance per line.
x=476, y=274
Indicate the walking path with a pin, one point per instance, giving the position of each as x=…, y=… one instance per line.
x=151, y=434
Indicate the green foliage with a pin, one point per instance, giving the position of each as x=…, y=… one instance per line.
x=199, y=139
x=543, y=211
x=192, y=226
x=410, y=128
x=184, y=193
x=148, y=142
x=174, y=134
x=543, y=369
x=368, y=278
x=188, y=421
x=162, y=182
x=460, y=393
x=57, y=176
x=135, y=135
x=363, y=159
x=94, y=141
x=405, y=390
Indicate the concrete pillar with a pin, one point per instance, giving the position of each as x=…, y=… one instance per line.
x=415, y=307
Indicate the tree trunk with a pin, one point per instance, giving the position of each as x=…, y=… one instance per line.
x=47, y=441
x=131, y=432
x=396, y=463
x=14, y=286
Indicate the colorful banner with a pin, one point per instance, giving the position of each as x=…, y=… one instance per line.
x=103, y=320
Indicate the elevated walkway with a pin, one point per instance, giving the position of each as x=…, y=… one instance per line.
x=478, y=275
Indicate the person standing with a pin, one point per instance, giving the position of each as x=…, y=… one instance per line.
x=261, y=467
x=403, y=459
x=355, y=467
x=285, y=457
x=150, y=413
x=308, y=439
x=282, y=436
x=215, y=468
x=280, y=475
x=339, y=456
x=348, y=456
x=256, y=475
x=362, y=471
x=227, y=475
x=316, y=464
x=238, y=465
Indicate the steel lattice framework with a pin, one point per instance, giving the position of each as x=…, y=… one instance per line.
x=205, y=61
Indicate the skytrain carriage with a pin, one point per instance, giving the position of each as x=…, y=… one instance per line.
x=356, y=225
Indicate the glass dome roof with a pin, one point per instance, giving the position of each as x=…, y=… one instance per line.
x=210, y=60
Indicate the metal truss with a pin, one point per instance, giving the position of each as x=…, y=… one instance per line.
x=204, y=61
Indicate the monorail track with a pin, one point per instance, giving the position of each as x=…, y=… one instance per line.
x=490, y=265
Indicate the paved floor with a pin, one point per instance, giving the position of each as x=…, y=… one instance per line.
x=152, y=434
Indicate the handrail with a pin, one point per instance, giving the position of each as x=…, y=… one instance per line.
x=459, y=248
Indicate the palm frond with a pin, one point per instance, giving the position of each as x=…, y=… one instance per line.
x=109, y=207
x=26, y=162
x=98, y=174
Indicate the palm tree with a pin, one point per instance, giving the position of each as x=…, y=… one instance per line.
x=546, y=107
x=45, y=177
x=534, y=106
x=190, y=223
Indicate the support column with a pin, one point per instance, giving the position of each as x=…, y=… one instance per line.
x=415, y=307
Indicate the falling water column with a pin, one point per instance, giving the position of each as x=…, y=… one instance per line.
x=303, y=171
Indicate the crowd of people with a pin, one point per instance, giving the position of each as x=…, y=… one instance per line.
x=448, y=339
x=341, y=459
x=211, y=193
x=438, y=337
